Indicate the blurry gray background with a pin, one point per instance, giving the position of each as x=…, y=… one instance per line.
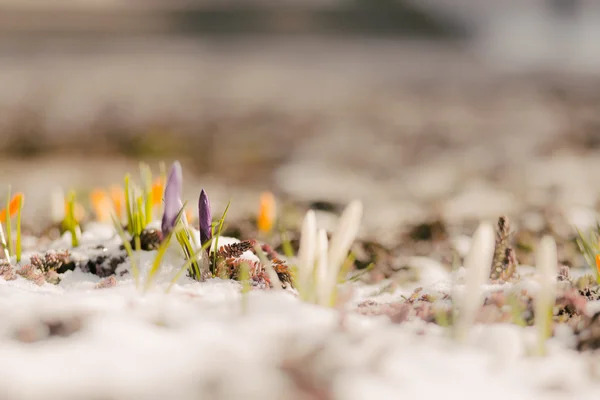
x=467, y=108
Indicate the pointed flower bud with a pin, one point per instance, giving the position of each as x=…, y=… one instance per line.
x=172, y=199
x=13, y=207
x=266, y=212
x=205, y=218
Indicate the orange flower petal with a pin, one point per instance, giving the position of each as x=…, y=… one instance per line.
x=189, y=214
x=101, y=204
x=266, y=212
x=158, y=189
x=117, y=195
x=598, y=263
x=13, y=206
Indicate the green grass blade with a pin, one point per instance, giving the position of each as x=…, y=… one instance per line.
x=19, y=248
x=128, y=210
x=188, y=264
x=141, y=220
x=286, y=245
x=146, y=174
x=162, y=249
x=345, y=269
x=244, y=278
x=134, y=267
x=71, y=220
x=7, y=223
x=216, y=237
x=362, y=272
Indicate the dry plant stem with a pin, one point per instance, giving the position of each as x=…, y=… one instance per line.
x=505, y=261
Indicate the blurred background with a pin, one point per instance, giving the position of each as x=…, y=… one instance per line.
x=461, y=108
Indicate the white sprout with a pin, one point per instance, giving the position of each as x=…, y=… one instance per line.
x=323, y=276
x=547, y=267
x=477, y=270
x=57, y=205
x=306, y=253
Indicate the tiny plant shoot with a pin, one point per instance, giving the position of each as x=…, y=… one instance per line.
x=590, y=248
x=216, y=237
x=13, y=207
x=320, y=262
x=478, y=264
x=6, y=219
x=70, y=222
x=266, y=213
x=547, y=266
x=18, y=244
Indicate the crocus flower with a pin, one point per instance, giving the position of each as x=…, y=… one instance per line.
x=205, y=218
x=117, y=196
x=101, y=204
x=13, y=207
x=157, y=190
x=172, y=199
x=266, y=212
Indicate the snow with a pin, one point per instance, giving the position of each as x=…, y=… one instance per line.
x=199, y=342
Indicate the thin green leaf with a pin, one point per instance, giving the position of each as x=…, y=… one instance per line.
x=128, y=210
x=188, y=264
x=244, y=278
x=286, y=245
x=134, y=267
x=146, y=174
x=8, y=224
x=141, y=220
x=160, y=253
x=19, y=249
x=71, y=220
x=362, y=272
x=216, y=237
x=345, y=269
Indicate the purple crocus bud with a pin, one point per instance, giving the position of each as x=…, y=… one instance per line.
x=172, y=199
x=205, y=218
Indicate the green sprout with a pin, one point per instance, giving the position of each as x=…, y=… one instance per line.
x=244, y=278
x=18, y=245
x=184, y=238
x=146, y=175
x=70, y=223
x=14, y=206
x=590, y=249
x=7, y=223
x=138, y=207
x=188, y=264
x=162, y=249
x=216, y=237
x=134, y=268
